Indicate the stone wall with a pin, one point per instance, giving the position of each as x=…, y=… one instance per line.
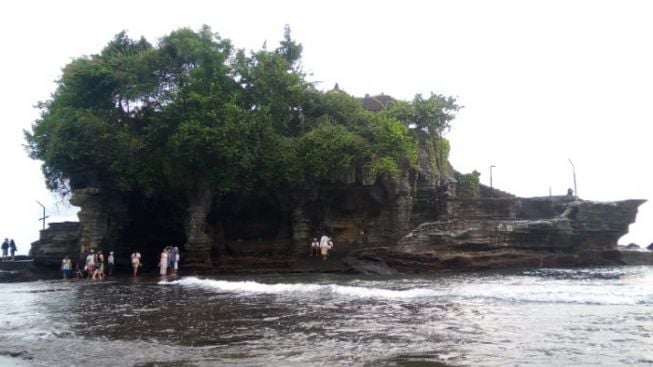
x=484, y=208
x=55, y=242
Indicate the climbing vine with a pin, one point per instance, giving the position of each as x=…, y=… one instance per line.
x=468, y=184
x=438, y=151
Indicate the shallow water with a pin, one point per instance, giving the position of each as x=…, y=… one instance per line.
x=544, y=317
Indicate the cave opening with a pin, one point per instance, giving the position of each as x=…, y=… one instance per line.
x=155, y=224
x=252, y=223
x=347, y=213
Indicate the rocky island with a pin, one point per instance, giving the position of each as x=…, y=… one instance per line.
x=240, y=162
x=380, y=227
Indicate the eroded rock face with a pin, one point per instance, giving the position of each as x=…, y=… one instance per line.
x=421, y=221
x=356, y=215
x=371, y=228
x=510, y=232
x=55, y=242
x=102, y=217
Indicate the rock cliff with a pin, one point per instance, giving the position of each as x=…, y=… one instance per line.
x=513, y=232
x=59, y=240
x=423, y=220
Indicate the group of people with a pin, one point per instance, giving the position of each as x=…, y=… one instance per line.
x=96, y=266
x=169, y=261
x=8, y=245
x=322, y=247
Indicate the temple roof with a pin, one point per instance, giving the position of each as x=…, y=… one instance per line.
x=376, y=103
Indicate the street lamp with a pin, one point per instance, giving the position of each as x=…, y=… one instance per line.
x=491, y=187
x=44, y=216
x=573, y=170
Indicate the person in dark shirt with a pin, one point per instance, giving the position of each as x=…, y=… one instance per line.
x=5, y=249
x=12, y=248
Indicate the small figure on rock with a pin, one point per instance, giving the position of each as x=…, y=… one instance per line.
x=325, y=246
x=315, y=247
x=12, y=248
x=570, y=192
x=5, y=249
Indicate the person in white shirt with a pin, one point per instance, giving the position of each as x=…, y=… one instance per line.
x=66, y=267
x=136, y=261
x=163, y=262
x=90, y=263
x=111, y=263
x=325, y=246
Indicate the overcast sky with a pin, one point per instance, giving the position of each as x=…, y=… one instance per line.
x=542, y=82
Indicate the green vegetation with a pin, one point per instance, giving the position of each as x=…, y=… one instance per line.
x=438, y=150
x=468, y=184
x=195, y=110
x=195, y=116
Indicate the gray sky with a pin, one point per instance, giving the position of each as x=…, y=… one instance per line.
x=541, y=81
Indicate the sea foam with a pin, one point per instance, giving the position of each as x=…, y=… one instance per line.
x=253, y=287
x=522, y=289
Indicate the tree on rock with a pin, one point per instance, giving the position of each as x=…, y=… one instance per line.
x=195, y=117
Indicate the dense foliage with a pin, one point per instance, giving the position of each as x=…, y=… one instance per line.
x=193, y=110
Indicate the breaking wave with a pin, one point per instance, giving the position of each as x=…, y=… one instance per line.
x=515, y=289
x=254, y=287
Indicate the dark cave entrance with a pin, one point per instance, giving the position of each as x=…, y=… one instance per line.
x=155, y=224
x=346, y=213
x=253, y=224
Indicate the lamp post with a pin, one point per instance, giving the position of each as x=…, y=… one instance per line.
x=44, y=216
x=573, y=170
x=491, y=186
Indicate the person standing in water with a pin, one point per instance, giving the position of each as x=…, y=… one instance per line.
x=136, y=261
x=172, y=260
x=99, y=266
x=111, y=262
x=177, y=259
x=90, y=263
x=163, y=263
x=66, y=267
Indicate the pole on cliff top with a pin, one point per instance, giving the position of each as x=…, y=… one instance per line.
x=491, y=186
x=44, y=216
x=573, y=170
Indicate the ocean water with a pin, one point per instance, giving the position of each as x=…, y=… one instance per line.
x=530, y=317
